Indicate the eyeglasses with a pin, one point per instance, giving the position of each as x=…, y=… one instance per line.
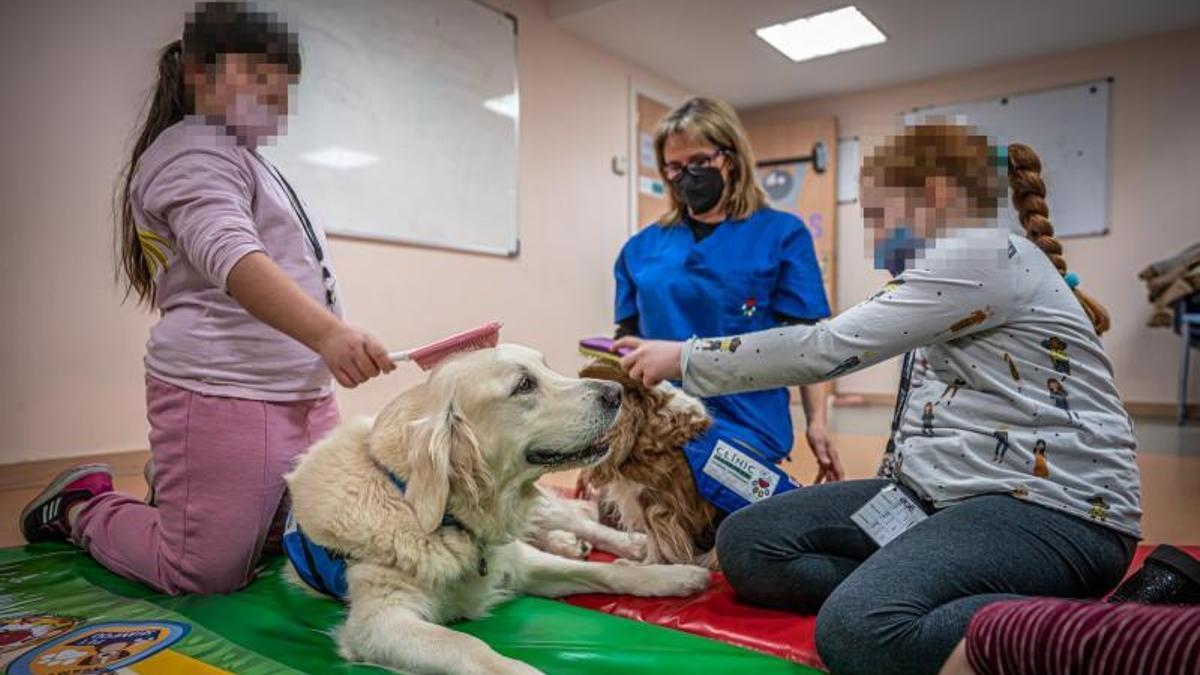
x=674, y=170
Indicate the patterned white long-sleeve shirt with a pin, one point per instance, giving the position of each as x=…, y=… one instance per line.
x=1008, y=389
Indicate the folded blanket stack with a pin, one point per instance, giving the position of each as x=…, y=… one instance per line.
x=1170, y=280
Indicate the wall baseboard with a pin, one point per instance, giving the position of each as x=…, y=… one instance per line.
x=36, y=474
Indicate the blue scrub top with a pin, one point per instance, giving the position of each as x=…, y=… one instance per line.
x=731, y=282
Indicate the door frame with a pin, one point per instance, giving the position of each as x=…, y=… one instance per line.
x=636, y=89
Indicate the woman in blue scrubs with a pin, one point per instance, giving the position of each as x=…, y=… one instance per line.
x=720, y=262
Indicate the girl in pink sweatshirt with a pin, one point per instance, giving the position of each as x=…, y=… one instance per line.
x=238, y=366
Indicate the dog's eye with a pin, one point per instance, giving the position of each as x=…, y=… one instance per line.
x=527, y=385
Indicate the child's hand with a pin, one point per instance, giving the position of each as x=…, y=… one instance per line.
x=353, y=356
x=651, y=361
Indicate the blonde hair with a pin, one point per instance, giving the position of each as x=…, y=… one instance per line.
x=930, y=150
x=714, y=121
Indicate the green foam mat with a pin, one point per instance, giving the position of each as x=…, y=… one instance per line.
x=273, y=627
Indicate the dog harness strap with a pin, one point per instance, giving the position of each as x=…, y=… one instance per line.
x=448, y=520
x=731, y=471
x=310, y=562
x=322, y=569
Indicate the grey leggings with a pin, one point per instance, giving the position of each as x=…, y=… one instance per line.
x=902, y=609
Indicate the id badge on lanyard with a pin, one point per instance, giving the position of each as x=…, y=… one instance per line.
x=888, y=515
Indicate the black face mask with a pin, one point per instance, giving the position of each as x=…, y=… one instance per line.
x=701, y=189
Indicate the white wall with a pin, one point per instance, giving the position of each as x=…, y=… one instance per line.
x=74, y=75
x=1155, y=206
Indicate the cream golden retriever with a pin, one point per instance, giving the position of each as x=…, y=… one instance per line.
x=468, y=443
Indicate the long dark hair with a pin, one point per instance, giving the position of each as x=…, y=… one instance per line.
x=213, y=29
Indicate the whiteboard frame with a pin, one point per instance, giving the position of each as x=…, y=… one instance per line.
x=1108, y=196
x=515, y=250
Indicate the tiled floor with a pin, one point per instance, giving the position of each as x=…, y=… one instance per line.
x=1169, y=458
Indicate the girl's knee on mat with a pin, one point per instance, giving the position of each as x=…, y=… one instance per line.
x=755, y=573
x=860, y=633
x=738, y=542
x=848, y=639
x=208, y=573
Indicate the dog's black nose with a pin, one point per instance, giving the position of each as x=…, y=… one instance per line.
x=610, y=395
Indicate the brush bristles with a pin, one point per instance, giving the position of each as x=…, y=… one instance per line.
x=598, y=354
x=427, y=360
x=484, y=337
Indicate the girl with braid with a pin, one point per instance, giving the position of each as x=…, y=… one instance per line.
x=972, y=293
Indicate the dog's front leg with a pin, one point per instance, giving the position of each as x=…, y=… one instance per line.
x=628, y=545
x=581, y=519
x=382, y=632
x=550, y=576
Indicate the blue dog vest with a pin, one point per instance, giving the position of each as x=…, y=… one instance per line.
x=323, y=569
x=730, y=471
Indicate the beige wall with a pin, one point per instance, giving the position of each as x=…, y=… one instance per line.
x=1155, y=206
x=73, y=77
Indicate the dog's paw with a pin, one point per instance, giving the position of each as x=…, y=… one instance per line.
x=567, y=545
x=674, y=580
x=631, y=545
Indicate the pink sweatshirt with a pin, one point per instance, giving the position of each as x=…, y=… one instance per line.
x=201, y=203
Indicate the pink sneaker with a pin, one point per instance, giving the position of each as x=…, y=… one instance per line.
x=45, y=518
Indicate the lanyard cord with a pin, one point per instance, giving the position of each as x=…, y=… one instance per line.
x=294, y=200
x=305, y=224
x=901, y=398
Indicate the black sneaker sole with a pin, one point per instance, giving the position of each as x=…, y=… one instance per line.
x=1177, y=560
x=31, y=525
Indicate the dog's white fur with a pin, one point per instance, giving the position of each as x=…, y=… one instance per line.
x=471, y=440
x=572, y=528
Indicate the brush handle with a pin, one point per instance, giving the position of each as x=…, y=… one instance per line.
x=399, y=357
x=603, y=344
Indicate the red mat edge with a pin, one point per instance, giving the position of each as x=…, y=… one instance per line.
x=796, y=630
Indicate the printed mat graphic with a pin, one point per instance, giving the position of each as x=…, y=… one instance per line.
x=63, y=614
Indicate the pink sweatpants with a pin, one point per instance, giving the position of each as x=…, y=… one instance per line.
x=219, y=465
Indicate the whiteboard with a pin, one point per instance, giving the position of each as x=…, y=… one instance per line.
x=1068, y=127
x=404, y=123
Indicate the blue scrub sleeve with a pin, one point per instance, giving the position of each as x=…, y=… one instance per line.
x=626, y=297
x=800, y=291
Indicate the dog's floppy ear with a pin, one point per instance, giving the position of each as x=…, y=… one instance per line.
x=603, y=369
x=446, y=435
x=434, y=446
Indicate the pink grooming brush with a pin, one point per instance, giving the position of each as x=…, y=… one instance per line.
x=434, y=353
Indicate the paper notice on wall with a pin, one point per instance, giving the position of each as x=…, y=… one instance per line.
x=646, y=151
x=847, y=174
x=651, y=186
